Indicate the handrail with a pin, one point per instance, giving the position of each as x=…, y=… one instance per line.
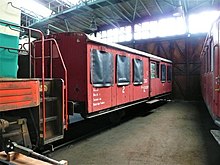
x=42, y=66
x=65, y=80
x=65, y=77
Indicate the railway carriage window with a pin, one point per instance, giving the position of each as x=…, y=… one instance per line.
x=138, y=71
x=101, y=68
x=153, y=72
x=123, y=70
x=212, y=52
x=209, y=58
x=206, y=63
x=154, y=69
x=163, y=73
x=158, y=70
x=203, y=63
x=169, y=73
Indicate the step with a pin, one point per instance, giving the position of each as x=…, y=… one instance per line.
x=48, y=119
x=217, y=122
x=47, y=99
x=152, y=101
x=216, y=135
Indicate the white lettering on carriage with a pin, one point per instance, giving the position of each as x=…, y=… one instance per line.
x=97, y=100
x=123, y=89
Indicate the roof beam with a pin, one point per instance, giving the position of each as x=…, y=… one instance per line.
x=54, y=28
x=185, y=5
x=75, y=27
x=133, y=9
x=91, y=2
x=107, y=20
x=101, y=17
x=82, y=18
x=170, y=3
x=110, y=11
x=198, y=6
x=145, y=7
x=66, y=23
x=124, y=10
x=78, y=23
x=120, y=12
x=157, y=4
x=91, y=10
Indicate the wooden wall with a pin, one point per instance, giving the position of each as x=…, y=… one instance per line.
x=184, y=51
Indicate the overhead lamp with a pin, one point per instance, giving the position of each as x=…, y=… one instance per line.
x=93, y=25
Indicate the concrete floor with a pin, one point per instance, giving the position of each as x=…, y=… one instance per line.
x=176, y=133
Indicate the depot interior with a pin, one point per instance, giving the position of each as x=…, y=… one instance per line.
x=171, y=29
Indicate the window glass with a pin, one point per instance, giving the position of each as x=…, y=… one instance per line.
x=169, y=73
x=163, y=73
x=123, y=70
x=138, y=71
x=212, y=54
x=207, y=59
x=101, y=68
x=158, y=69
x=153, y=70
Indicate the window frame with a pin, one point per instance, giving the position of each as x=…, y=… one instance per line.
x=157, y=69
x=118, y=71
x=105, y=76
x=169, y=74
x=162, y=73
x=141, y=72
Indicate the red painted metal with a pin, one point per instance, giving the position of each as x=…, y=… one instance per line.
x=65, y=90
x=75, y=49
x=17, y=94
x=210, y=75
x=42, y=77
x=157, y=87
x=52, y=51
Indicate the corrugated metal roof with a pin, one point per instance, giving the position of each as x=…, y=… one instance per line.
x=111, y=13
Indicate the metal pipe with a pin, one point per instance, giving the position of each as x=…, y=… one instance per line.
x=29, y=49
x=31, y=153
x=51, y=59
x=65, y=101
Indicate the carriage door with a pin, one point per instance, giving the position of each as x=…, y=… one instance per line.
x=101, y=78
x=123, y=78
x=215, y=52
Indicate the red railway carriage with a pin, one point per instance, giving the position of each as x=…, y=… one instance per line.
x=210, y=75
x=103, y=77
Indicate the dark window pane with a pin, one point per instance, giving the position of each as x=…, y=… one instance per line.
x=123, y=70
x=101, y=68
x=163, y=73
x=154, y=69
x=169, y=73
x=138, y=71
x=158, y=70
